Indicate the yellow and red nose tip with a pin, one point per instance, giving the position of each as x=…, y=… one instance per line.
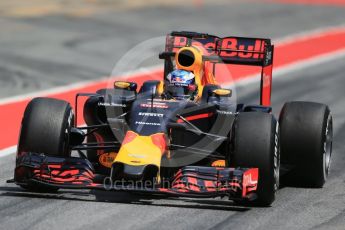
x=159, y=140
x=130, y=136
x=141, y=151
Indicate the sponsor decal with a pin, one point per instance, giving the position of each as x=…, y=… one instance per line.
x=147, y=123
x=276, y=158
x=136, y=162
x=268, y=57
x=247, y=179
x=155, y=105
x=266, y=80
x=107, y=159
x=136, y=155
x=209, y=45
x=111, y=104
x=180, y=84
x=234, y=47
x=225, y=112
x=230, y=46
x=151, y=114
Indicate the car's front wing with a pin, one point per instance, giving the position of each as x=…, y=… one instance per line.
x=189, y=181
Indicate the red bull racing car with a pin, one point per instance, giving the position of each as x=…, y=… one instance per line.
x=182, y=135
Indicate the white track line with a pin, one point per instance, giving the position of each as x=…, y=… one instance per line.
x=8, y=151
x=295, y=66
x=278, y=72
x=316, y=60
x=74, y=86
x=308, y=34
x=54, y=90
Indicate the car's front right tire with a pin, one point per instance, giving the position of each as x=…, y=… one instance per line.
x=45, y=129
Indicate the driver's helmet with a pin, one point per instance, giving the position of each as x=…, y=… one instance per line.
x=181, y=85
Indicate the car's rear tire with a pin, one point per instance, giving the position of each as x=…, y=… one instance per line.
x=256, y=145
x=45, y=129
x=306, y=142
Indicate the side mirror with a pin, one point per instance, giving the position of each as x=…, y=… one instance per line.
x=221, y=93
x=132, y=86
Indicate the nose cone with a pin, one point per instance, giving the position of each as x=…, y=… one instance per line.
x=139, y=156
x=134, y=172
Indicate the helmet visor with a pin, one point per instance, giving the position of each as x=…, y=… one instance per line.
x=180, y=91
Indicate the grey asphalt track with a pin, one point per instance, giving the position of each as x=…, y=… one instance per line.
x=42, y=59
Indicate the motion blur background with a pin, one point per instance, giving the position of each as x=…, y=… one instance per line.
x=49, y=43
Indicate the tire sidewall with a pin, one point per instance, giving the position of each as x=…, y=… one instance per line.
x=257, y=145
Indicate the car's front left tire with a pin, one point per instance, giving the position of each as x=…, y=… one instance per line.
x=256, y=145
x=306, y=142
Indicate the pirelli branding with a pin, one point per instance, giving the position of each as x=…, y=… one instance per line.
x=151, y=114
x=147, y=123
x=155, y=105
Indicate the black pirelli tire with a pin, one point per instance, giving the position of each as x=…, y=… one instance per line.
x=306, y=142
x=256, y=145
x=46, y=127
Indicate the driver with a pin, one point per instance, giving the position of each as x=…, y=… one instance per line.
x=181, y=85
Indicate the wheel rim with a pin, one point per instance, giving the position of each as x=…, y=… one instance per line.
x=327, y=153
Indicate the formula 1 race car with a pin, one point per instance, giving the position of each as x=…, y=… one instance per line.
x=197, y=145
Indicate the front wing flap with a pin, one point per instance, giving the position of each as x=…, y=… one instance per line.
x=189, y=181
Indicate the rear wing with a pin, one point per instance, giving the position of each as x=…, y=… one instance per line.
x=227, y=50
